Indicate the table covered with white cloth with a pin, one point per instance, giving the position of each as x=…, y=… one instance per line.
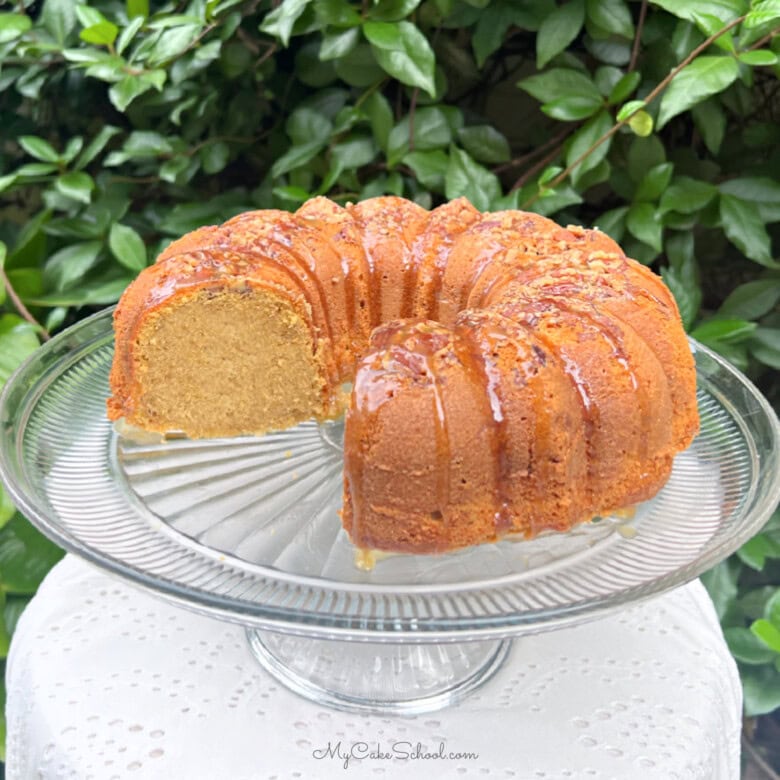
x=106, y=681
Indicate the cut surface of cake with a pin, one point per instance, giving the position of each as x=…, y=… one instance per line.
x=509, y=376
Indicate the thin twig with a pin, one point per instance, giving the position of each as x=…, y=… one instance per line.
x=528, y=156
x=563, y=175
x=412, y=107
x=270, y=51
x=250, y=44
x=20, y=307
x=761, y=41
x=759, y=759
x=538, y=166
x=638, y=37
x=135, y=179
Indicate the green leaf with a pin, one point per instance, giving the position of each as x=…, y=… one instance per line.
x=744, y=227
x=711, y=26
x=654, y=183
x=142, y=144
x=558, y=30
x=173, y=168
x=762, y=192
x=127, y=247
x=173, y=20
x=572, y=108
x=13, y=25
x=306, y=125
x=612, y=16
x=403, y=52
x=353, y=153
x=613, y=222
x=725, y=10
x=214, y=157
x=746, y=647
x=710, y=121
x=359, y=67
x=433, y=129
x=338, y=44
x=624, y=88
x=583, y=140
x=26, y=556
x=101, y=34
x=467, y=178
x=765, y=346
x=7, y=181
x=763, y=12
x=629, y=109
x=72, y=148
x=392, y=10
x=497, y=17
x=5, y=636
x=643, y=223
x=280, y=21
x=96, y=146
x=682, y=276
x=559, y=83
x=66, y=267
x=756, y=550
x=430, y=168
x=38, y=148
x=761, y=689
x=336, y=13
x=172, y=43
x=768, y=633
x=18, y=340
x=130, y=87
x=35, y=170
x=686, y=196
x=772, y=608
x=641, y=123
x=127, y=35
x=295, y=157
x=758, y=58
x=77, y=185
x=7, y=509
x=553, y=200
x=87, y=15
x=98, y=292
x=484, y=143
x=721, y=583
x=751, y=300
x=137, y=8
x=727, y=331
x=380, y=115
x=705, y=76
x=59, y=18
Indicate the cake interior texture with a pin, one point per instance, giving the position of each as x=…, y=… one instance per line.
x=226, y=363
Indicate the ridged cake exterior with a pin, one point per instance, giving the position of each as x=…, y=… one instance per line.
x=509, y=375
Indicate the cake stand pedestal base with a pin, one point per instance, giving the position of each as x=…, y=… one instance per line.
x=374, y=677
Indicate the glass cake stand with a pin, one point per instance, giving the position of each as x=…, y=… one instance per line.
x=247, y=530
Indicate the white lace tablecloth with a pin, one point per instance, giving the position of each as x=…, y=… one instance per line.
x=105, y=681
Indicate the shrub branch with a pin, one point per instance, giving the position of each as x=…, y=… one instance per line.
x=638, y=37
x=563, y=175
x=20, y=307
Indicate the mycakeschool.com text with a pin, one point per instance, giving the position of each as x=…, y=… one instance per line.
x=349, y=753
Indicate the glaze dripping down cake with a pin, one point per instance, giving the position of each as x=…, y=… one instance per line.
x=508, y=375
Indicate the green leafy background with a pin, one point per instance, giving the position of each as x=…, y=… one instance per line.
x=126, y=124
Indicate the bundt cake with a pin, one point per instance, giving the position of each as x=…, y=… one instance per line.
x=508, y=375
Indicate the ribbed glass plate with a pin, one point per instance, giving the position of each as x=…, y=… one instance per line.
x=248, y=528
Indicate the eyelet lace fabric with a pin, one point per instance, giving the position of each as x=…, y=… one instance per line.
x=107, y=682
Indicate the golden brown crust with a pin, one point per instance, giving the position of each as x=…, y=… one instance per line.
x=525, y=376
